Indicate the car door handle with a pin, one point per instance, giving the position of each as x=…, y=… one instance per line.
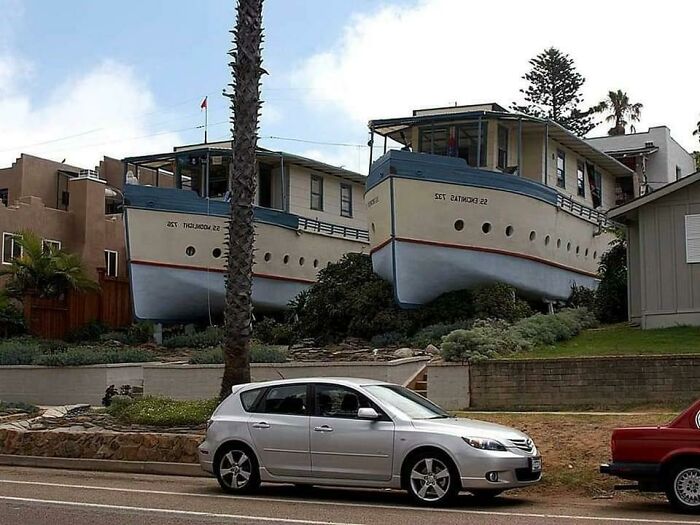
x=262, y=424
x=324, y=428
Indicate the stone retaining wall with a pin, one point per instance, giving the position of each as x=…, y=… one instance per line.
x=176, y=448
x=605, y=382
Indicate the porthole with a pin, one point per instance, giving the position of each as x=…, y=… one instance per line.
x=595, y=255
x=216, y=252
x=315, y=263
x=486, y=227
x=585, y=253
x=558, y=243
x=459, y=225
x=268, y=256
x=509, y=230
x=285, y=259
x=190, y=251
x=301, y=261
x=533, y=235
x=546, y=240
x=568, y=246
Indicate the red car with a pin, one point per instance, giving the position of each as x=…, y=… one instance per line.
x=661, y=459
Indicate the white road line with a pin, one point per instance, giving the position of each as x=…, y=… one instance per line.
x=357, y=505
x=171, y=511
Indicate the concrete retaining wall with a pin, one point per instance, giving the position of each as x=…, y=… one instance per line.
x=607, y=382
x=44, y=385
x=203, y=381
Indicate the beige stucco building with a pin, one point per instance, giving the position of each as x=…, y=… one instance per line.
x=68, y=207
x=663, y=231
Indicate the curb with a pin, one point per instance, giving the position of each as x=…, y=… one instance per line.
x=105, y=465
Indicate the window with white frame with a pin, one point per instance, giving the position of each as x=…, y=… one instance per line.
x=316, y=193
x=692, y=239
x=49, y=245
x=11, y=249
x=345, y=200
x=580, y=179
x=111, y=263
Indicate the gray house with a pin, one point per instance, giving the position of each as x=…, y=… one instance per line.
x=663, y=229
x=654, y=156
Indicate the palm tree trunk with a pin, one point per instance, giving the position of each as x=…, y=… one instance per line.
x=245, y=105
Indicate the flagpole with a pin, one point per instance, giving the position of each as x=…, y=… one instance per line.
x=206, y=120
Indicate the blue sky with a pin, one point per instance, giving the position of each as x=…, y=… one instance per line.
x=85, y=78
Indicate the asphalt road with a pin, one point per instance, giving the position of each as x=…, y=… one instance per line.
x=31, y=496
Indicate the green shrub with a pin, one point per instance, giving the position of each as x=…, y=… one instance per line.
x=19, y=351
x=11, y=317
x=272, y=332
x=449, y=308
x=211, y=337
x=433, y=334
x=611, y=295
x=581, y=297
x=388, y=339
x=548, y=329
x=93, y=356
x=258, y=354
x=499, y=301
x=87, y=333
x=13, y=407
x=52, y=346
x=136, y=334
x=348, y=299
x=163, y=412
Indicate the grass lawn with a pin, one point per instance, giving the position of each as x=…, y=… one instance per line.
x=622, y=340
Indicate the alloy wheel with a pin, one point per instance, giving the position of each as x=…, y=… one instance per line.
x=686, y=486
x=430, y=479
x=235, y=469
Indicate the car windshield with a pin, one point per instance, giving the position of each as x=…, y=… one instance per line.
x=411, y=404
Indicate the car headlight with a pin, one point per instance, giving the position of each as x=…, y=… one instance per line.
x=484, y=444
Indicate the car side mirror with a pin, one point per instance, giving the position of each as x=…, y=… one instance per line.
x=367, y=413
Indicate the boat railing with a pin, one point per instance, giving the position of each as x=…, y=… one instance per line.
x=569, y=204
x=335, y=230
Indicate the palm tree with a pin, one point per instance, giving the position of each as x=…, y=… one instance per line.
x=245, y=106
x=47, y=272
x=622, y=112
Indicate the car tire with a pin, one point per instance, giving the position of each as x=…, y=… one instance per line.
x=683, y=487
x=431, y=479
x=484, y=495
x=236, y=469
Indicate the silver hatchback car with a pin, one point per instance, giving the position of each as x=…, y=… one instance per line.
x=360, y=433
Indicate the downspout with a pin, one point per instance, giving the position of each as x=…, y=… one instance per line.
x=520, y=147
x=546, y=151
x=478, y=147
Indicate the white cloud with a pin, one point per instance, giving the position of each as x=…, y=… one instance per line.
x=105, y=111
x=353, y=159
x=438, y=52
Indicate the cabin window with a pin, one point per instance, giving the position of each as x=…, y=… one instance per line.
x=345, y=200
x=11, y=249
x=316, y=193
x=265, y=186
x=4, y=196
x=468, y=136
x=561, y=169
x=596, y=183
x=111, y=263
x=502, y=148
x=433, y=140
x=580, y=179
x=48, y=245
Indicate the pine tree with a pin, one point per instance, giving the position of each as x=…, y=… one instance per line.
x=554, y=92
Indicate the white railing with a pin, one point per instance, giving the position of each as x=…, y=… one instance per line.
x=335, y=230
x=576, y=208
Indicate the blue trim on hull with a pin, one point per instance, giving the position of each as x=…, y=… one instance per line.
x=453, y=170
x=186, y=201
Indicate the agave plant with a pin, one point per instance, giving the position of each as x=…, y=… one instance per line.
x=46, y=272
x=245, y=105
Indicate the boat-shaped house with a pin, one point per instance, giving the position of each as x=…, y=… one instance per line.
x=478, y=194
x=307, y=214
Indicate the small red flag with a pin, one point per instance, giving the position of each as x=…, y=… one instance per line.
x=203, y=105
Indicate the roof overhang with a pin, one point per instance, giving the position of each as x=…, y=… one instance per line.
x=165, y=160
x=632, y=206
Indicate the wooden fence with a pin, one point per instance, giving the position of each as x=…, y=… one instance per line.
x=55, y=318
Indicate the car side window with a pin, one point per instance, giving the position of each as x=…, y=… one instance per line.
x=285, y=399
x=339, y=401
x=249, y=398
